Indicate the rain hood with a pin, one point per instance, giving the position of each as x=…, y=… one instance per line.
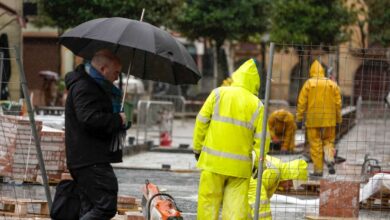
x=316, y=69
x=247, y=76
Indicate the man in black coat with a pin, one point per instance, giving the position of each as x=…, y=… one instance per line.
x=91, y=124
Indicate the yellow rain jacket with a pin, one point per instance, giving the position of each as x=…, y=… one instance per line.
x=229, y=125
x=320, y=99
x=281, y=125
x=276, y=171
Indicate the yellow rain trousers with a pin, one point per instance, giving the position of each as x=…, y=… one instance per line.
x=230, y=192
x=275, y=171
x=281, y=125
x=320, y=100
x=227, y=129
x=321, y=142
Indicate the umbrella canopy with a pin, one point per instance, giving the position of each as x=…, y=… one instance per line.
x=153, y=53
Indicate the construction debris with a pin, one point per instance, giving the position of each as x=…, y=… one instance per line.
x=375, y=195
x=18, y=157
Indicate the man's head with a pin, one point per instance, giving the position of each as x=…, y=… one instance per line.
x=107, y=64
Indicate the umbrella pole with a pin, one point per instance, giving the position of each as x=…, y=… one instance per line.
x=127, y=82
x=142, y=15
x=127, y=79
x=128, y=71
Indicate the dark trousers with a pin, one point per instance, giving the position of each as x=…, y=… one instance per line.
x=98, y=188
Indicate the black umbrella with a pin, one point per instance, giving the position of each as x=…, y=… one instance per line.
x=153, y=53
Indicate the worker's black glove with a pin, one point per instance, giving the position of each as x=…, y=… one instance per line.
x=299, y=124
x=254, y=172
x=197, y=156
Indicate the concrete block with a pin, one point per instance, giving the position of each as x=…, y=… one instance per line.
x=339, y=198
x=126, y=199
x=135, y=216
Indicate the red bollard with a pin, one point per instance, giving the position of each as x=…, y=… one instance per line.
x=165, y=139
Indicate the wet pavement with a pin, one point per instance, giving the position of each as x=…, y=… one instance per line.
x=368, y=136
x=182, y=186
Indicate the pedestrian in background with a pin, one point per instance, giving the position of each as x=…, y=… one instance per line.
x=282, y=129
x=92, y=122
x=320, y=103
x=227, y=129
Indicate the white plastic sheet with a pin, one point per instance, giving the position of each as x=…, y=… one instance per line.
x=378, y=182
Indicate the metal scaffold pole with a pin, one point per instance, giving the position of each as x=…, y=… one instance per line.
x=37, y=139
x=264, y=131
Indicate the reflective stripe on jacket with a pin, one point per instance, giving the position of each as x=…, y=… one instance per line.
x=228, y=127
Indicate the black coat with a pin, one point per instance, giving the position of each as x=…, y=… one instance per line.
x=89, y=122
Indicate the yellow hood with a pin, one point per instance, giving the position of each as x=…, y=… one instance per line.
x=316, y=69
x=247, y=76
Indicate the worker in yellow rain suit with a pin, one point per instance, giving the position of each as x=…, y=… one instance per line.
x=277, y=174
x=227, y=129
x=282, y=128
x=320, y=100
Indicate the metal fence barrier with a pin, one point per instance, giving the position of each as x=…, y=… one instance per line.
x=178, y=103
x=154, y=116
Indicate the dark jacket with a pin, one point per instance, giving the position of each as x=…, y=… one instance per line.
x=90, y=123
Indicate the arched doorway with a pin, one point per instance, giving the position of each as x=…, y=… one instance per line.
x=372, y=81
x=297, y=79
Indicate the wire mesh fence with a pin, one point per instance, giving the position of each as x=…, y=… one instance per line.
x=26, y=147
x=360, y=186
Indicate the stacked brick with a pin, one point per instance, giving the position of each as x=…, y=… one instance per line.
x=53, y=150
x=18, y=157
x=126, y=203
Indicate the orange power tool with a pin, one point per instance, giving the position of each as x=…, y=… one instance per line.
x=157, y=205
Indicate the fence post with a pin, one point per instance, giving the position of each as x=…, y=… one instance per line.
x=1, y=71
x=264, y=131
x=37, y=139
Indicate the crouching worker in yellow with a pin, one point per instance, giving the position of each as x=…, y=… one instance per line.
x=227, y=129
x=282, y=128
x=276, y=174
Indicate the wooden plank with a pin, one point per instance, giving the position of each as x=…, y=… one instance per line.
x=44, y=209
x=317, y=217
x=20, y=200
x=21, y=209
x=310, y=188
x=18, y=207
